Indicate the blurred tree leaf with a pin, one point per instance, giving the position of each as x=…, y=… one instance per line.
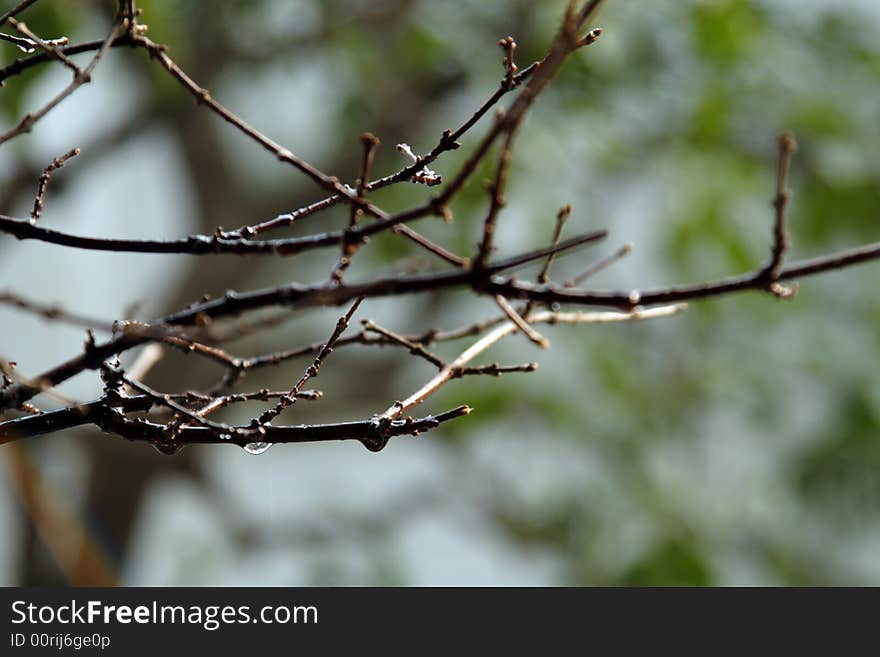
x=674, y=562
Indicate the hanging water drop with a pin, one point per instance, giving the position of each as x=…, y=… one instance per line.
x=257, y=448
x=166, y=447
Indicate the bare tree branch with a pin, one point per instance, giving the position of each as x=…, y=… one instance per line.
x=170, y=420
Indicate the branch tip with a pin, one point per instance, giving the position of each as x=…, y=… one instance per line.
x=589, y=38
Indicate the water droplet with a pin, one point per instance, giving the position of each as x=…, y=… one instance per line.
x=257, y=448
x=167, y=448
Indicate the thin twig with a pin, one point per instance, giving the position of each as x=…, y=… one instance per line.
x=414, y=348
x=449, y=372
x=495, y=369
x=40, y=197
x=543, y=276
x=216, y=403
x=520, y=323
x=203, y=97
x=311, y=370
x=169, y=401
x=787, y=147
x=497, y=201
x=17, y=9
x=369, y=142
x=599, y=265
x=52, y=312
x=508, y=45
x=49, y=46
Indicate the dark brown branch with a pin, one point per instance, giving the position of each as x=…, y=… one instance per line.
x=787, y=147
x=673, y=294
x=558, y=248
x=305, y=296
x=429, y=246
x=509, y=125
x=9, y=375
x=203, y=245
x=102, y=414
x=40, y=197
x=192, y=245
x=301, y=296
x=234, y=303
x=14, y=11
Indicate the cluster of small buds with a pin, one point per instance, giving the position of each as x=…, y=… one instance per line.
x=424, y=175
x=508, y=45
